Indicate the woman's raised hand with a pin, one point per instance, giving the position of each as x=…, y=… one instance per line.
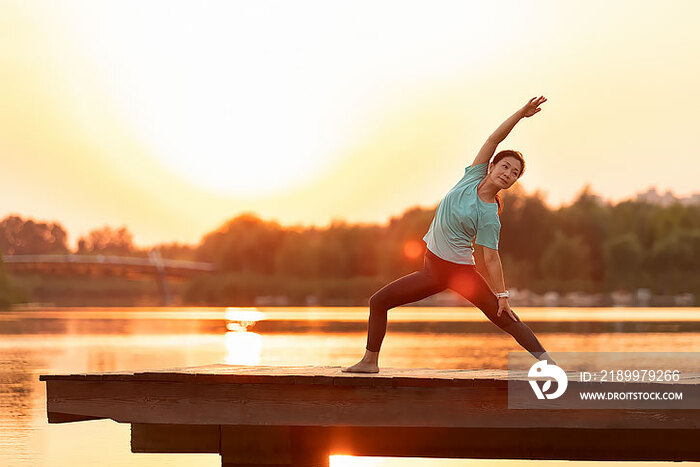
x=532, y=107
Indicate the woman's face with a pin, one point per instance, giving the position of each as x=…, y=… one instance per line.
x=505, y=172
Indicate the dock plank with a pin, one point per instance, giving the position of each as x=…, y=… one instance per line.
x=326, y=375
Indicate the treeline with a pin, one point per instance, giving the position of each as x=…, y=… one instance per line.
x=587, y=246
x=593, y=246
x=6, y=290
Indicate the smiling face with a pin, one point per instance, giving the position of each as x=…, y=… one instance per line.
x=505, y=172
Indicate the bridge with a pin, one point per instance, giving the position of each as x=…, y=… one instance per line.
x=73, y=264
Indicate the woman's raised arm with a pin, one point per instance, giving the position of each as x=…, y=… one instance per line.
x=489, y=147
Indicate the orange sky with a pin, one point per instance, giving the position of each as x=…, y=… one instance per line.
x=171, y=117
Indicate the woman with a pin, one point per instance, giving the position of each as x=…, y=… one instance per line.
x=468, y=214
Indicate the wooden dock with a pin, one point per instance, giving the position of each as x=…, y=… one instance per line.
x=283, y=415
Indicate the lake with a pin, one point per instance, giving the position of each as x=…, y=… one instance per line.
x=78, y=340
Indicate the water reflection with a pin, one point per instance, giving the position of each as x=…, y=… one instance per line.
x=243, y=348
x=74, y=341
x=242, y=317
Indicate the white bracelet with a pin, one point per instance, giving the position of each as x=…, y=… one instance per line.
x=505, y=294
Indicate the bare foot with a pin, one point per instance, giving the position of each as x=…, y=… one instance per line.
x=362, y=367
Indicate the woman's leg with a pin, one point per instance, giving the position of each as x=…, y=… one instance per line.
x=471, y=285
x=410, y=288
x=407, y=289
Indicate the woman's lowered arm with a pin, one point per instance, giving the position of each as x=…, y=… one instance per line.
x=489, y=147
x=492, y=261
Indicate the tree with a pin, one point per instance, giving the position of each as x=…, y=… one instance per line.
x=5, y=290
x=245, y=243
x=635, y=218
x=675, y=260
x=28, y=237
x=299, y=254
x=107, y=240
x=527, y=229
x=624, y=257
x=565, y=264
x=587, y=218
x=391, y=241
x=176, y=250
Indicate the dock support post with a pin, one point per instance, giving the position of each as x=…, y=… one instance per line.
x=274, y=446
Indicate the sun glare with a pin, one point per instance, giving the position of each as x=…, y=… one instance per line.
x=219, y=114
x=412, y=249
x=242, y=100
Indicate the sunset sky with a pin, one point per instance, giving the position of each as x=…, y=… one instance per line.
x=172, y=117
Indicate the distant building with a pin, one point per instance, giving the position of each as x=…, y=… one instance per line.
x=652, y=196
x=692, y=199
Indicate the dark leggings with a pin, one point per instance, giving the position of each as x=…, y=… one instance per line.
x=436, y=276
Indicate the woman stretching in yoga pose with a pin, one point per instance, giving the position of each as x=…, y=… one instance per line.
x=468, y=214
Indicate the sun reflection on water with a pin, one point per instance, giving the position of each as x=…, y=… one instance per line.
x=242, y=347
x=243, y=316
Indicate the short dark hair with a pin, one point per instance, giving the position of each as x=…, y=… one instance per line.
x=498, y=157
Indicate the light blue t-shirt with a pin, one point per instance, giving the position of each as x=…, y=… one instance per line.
x=462, y=219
